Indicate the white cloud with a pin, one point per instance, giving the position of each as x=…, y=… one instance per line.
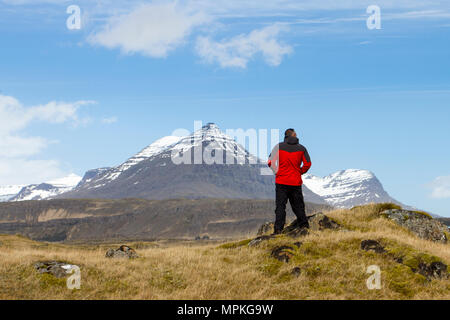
x=239, y=50
x=110, y=120
x=22, y=171
x=441, y=187
x=152, y=29
x=16, y=148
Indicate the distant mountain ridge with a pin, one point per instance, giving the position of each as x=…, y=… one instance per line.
x=348, y=188
x=151, y=174
x=7, y=192
x=47, y=189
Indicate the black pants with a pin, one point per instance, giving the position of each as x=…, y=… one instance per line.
x=295, y=196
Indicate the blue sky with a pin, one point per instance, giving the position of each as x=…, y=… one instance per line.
x=73, y=100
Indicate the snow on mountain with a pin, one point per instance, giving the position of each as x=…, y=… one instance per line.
x=348, y=188
x=151, y=174
x=155, y=148
x=157, y=175
x=69, y=181
x=47, y=189
x=7, y=192
x=92, y=174
x=210, y=135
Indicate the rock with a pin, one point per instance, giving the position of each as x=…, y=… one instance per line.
x=297, y=232
x=298, y=244
x=372, y=245
x=198, y=238
x=122, y=252
x=436, y=270
x=265, y=228
x=56, y=268
x=258, y=240
x=296, y=272
x=291, y=227
x=294, y=231
x=282, y=253
x=319, y=221
x=421, y=225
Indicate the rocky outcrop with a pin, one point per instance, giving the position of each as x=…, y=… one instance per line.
x=294, y=231
x=55, y=268
x=317, y=222
x=437, y=270
x=428, y=266
x=420, y=224
x=282, y=253
x=123, y=252
x=372, y=245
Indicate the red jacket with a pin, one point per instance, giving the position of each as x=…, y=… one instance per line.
x=286, y=162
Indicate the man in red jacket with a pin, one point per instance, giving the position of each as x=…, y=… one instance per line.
x=286, y=162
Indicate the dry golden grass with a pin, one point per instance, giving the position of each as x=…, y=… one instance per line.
x=332, y=267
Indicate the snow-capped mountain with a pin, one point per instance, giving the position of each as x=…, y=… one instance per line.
x=348, y=188
x=92, y=174
x=47, y=189
x=152, y=174
x=7, y=192
x=155, y=148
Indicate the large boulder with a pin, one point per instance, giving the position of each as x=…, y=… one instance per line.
x=418, y=223
x=123, y=252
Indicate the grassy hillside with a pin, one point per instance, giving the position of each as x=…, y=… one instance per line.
x=331, y=262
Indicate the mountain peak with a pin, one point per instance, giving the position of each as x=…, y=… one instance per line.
x=347, y=188
x=210, y=126
x=69, y=181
